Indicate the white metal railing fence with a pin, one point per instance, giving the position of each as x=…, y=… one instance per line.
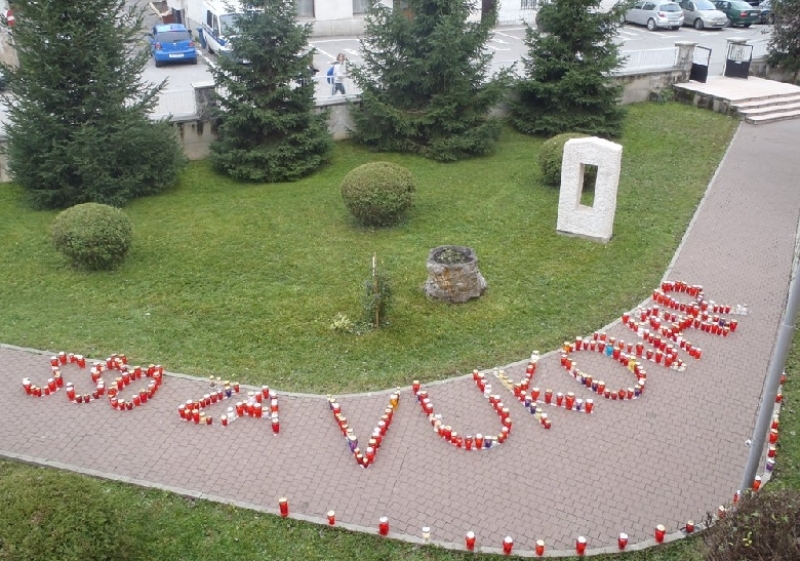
x=178, y=103
x=649, y=59
x=760, y=49
x=182, y=103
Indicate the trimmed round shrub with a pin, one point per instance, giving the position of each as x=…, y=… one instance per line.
x=551, y=155
x=93, y=236
x=378, y=193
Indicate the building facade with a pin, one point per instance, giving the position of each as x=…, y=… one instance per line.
x=346, y=17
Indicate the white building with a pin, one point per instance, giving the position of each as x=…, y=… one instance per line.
x=346, y=17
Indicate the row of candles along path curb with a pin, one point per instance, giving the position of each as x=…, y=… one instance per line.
x=581, y=543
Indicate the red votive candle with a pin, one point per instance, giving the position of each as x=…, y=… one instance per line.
x=508, y=545
x=383, y=526
x=283, y=504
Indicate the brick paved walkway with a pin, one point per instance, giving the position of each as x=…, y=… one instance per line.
x=674, y=455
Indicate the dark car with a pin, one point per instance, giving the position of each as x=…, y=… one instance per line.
x=172, y=43
x=738, y=12
x=765, y=13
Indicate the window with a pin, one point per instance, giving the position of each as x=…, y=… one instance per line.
x=527, y=4
x=305, y=8
x=214, y=23
x=649, y=6
x=360, y=6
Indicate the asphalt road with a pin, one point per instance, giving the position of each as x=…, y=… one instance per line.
x=507, y=46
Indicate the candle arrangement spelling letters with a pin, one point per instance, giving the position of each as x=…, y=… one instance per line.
x=367, y=457
x=467, y=442
x=119, y=363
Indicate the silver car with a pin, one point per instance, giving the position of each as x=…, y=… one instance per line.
x=702, y=14
x=655, y=14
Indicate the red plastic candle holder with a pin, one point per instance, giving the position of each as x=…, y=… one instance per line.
x=508, y=545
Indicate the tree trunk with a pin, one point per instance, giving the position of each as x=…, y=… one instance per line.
x=488, y=11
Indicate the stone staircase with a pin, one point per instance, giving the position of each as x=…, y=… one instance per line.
x=768, y=109
x=755, y=100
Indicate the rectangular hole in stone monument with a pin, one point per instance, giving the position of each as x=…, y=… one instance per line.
x=589, y=178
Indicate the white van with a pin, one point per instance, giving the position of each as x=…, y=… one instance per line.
x=214, y=22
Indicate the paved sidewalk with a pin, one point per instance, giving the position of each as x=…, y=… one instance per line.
x=673, y=455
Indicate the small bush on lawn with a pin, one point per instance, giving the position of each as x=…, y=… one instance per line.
x=376, y=298
x=551, y=156
x=378, y=193
x=46, y=514
x=765, y=525
x=93, y=236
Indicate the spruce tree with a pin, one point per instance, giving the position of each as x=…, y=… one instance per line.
x=424, y=81
x=269, y=128
x=567, y=86
x=78, y=127
x=784, y=44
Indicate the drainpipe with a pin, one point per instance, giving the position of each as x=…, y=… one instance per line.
x=774, y=371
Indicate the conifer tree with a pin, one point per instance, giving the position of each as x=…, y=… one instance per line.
x=567, y=85
x=424, y=81
x=78, y=128
x=785, y=41
x=269, y=128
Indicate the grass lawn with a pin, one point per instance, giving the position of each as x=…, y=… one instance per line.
x=247, y=279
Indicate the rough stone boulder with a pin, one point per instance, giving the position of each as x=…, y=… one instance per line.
x=453, y=274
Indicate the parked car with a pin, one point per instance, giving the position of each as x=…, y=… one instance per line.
x=172, y=42
x=738, y=12
x=702, y=14
x=765, y=16
x=655, y=14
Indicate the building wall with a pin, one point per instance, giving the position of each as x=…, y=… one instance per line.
x=196, y=133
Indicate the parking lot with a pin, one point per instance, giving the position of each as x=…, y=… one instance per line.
x=507, y=46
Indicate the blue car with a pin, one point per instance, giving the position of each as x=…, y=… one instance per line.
x=172, y=43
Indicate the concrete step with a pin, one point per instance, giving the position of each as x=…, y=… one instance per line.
x=772, y=117
x=756, y=103
x=767, y=109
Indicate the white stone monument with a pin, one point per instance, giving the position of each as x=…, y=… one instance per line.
x=593, y=222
